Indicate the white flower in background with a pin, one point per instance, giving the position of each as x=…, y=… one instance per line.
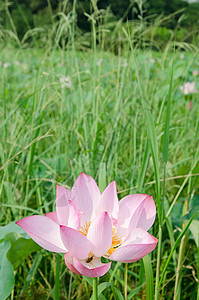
x=182, y=56
x=195, y=73
x=99, y=62
x=6, y=65
x=65, y=82
x=16, y=62
x=188, y=88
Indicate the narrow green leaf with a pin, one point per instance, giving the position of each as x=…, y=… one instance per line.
x=57, y=282
x=121, y=281
x=116, y=292
x=34, y=266
x=89, y=280
x=149, y=277
x=102, y=177
x=101, y=287
x=154, y=152
x=132, y=294
x=170, y=230
x=141, y=273
x=166, y=129
x=143, y=168
x=113, y=272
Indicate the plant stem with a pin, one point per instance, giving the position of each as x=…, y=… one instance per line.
x=158, y=264
x=95, y=283
x=125, y=281
x=160, y=241
x=57, y=278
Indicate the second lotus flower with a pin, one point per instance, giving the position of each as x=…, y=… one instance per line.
x=88, y=225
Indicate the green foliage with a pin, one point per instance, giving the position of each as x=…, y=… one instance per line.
x=13, y=250
x=20, y=249
x=6, y=272
x=101, y=287
x=23, y=16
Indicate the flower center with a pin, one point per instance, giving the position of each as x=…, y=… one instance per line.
x=115, y=241
x=84, y=228
x=89, y=258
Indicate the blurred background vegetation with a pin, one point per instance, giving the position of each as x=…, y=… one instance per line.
x=27, y=21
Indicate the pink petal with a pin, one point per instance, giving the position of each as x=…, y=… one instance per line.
x=100, y=234
x=69, y=262
x=77, y=244
x=136, y=210
x=44, y=232
x=92, y=271
x=109, y=201
x=139, y=244
x=62, y=204
x=74, y=217
x=140, y=236
x=87, y=195
x=148, y=213
x=52, y=216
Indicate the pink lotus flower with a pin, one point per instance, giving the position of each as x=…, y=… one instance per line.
x=88, y=225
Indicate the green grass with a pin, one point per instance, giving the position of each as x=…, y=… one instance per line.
x=113, y=124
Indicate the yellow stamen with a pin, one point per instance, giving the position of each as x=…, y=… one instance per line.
x=84, y=229
x=115, y=243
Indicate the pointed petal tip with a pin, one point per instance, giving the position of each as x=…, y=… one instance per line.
x=20, y=222
x=43, y=231
x=156, y=240
x=83, y=174
x=61, y=226
x=58, y=186
x=87, y=195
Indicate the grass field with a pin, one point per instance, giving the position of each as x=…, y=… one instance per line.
x=116, y=117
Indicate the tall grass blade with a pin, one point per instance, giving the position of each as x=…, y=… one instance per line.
x=166, y=129
x=149, y=277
